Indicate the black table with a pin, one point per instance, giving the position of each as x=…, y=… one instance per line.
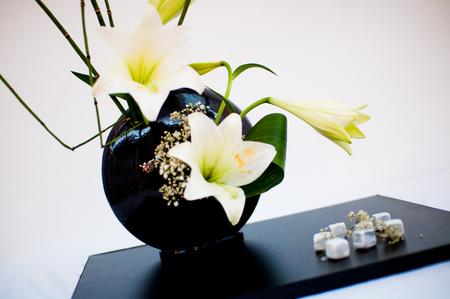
x=275, y=260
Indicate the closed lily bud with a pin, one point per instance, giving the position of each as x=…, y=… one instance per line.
x=333, y=120
x=169, y=9
x=205, y=67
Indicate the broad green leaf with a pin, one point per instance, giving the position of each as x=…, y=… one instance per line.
x=271, y=129
x=247, y=66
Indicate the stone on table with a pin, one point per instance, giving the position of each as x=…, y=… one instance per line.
x=338, y=229
x=320, y=239
x=364, y=238
x=397, y=223
x=337, y=248
x=380, y=217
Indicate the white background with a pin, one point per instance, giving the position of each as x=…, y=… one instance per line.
x=391, y=55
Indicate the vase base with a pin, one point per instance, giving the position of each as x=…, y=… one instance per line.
x=193, y=252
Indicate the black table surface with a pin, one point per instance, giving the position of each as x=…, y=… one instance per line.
x=275, y=260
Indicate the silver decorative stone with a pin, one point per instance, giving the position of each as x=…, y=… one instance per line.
x=396, y=223
x=364, y=238
x=337, y=248
x=381, y=217
x=320, y=239
x=338, y=229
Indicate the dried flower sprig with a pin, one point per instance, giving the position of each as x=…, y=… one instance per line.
x=174, y=171
x=390, y=233
x=362, y=220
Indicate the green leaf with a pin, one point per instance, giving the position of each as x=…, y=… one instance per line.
x=84, y=78
x=247, y=66
x=271, y=129
x=133, y=107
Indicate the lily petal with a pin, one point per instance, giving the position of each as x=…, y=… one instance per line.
x=221, y=161
x=150, y=102
x=173, y=49
x=243, y=163
x=233, y=202
x=149, y=63
x=231, y=198
x=207, y=142
x=231, y=128
x=185, y=78
x=344, y=145
x=354, y=132
x=184, y=152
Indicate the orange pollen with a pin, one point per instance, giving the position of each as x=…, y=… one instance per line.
x=241, y=162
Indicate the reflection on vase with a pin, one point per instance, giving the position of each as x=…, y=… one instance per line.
x=134, y=195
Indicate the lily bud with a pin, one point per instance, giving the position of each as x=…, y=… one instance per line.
x=205, y=67
x=333, y=120
x=169, y=9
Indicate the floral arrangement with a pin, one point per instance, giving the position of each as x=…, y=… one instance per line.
x=206, y=157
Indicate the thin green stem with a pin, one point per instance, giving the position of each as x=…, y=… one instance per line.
x=66, y=35
x=227, y=93
x=98, y=13
x=117, y=138
x=109, y=12
x=96, y=135
x=88, y=59
x=51, y=133
x=184, y=12
x=228, y=104
x=254, y=105
x=32, y=113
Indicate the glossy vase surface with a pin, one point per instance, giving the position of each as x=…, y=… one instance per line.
x=134, y=194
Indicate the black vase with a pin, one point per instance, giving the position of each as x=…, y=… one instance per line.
x=134, y=194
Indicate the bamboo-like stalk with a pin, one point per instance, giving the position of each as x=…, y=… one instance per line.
x=109, y=12
x=51, y=133
x=88, y=59
x=117, y=138
x=98, y=13
x=96, y=135
x=32, y=113
x=65, y=33
x=183, y=13
x=75, y=47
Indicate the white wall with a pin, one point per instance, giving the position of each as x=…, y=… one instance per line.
x=392, y=55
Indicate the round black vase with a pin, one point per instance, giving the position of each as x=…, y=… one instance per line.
x=134, y=194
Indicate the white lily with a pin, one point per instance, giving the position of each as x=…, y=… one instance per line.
x=150, y=63
x=169, y=9
x=333, y=120
x=221, y=162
